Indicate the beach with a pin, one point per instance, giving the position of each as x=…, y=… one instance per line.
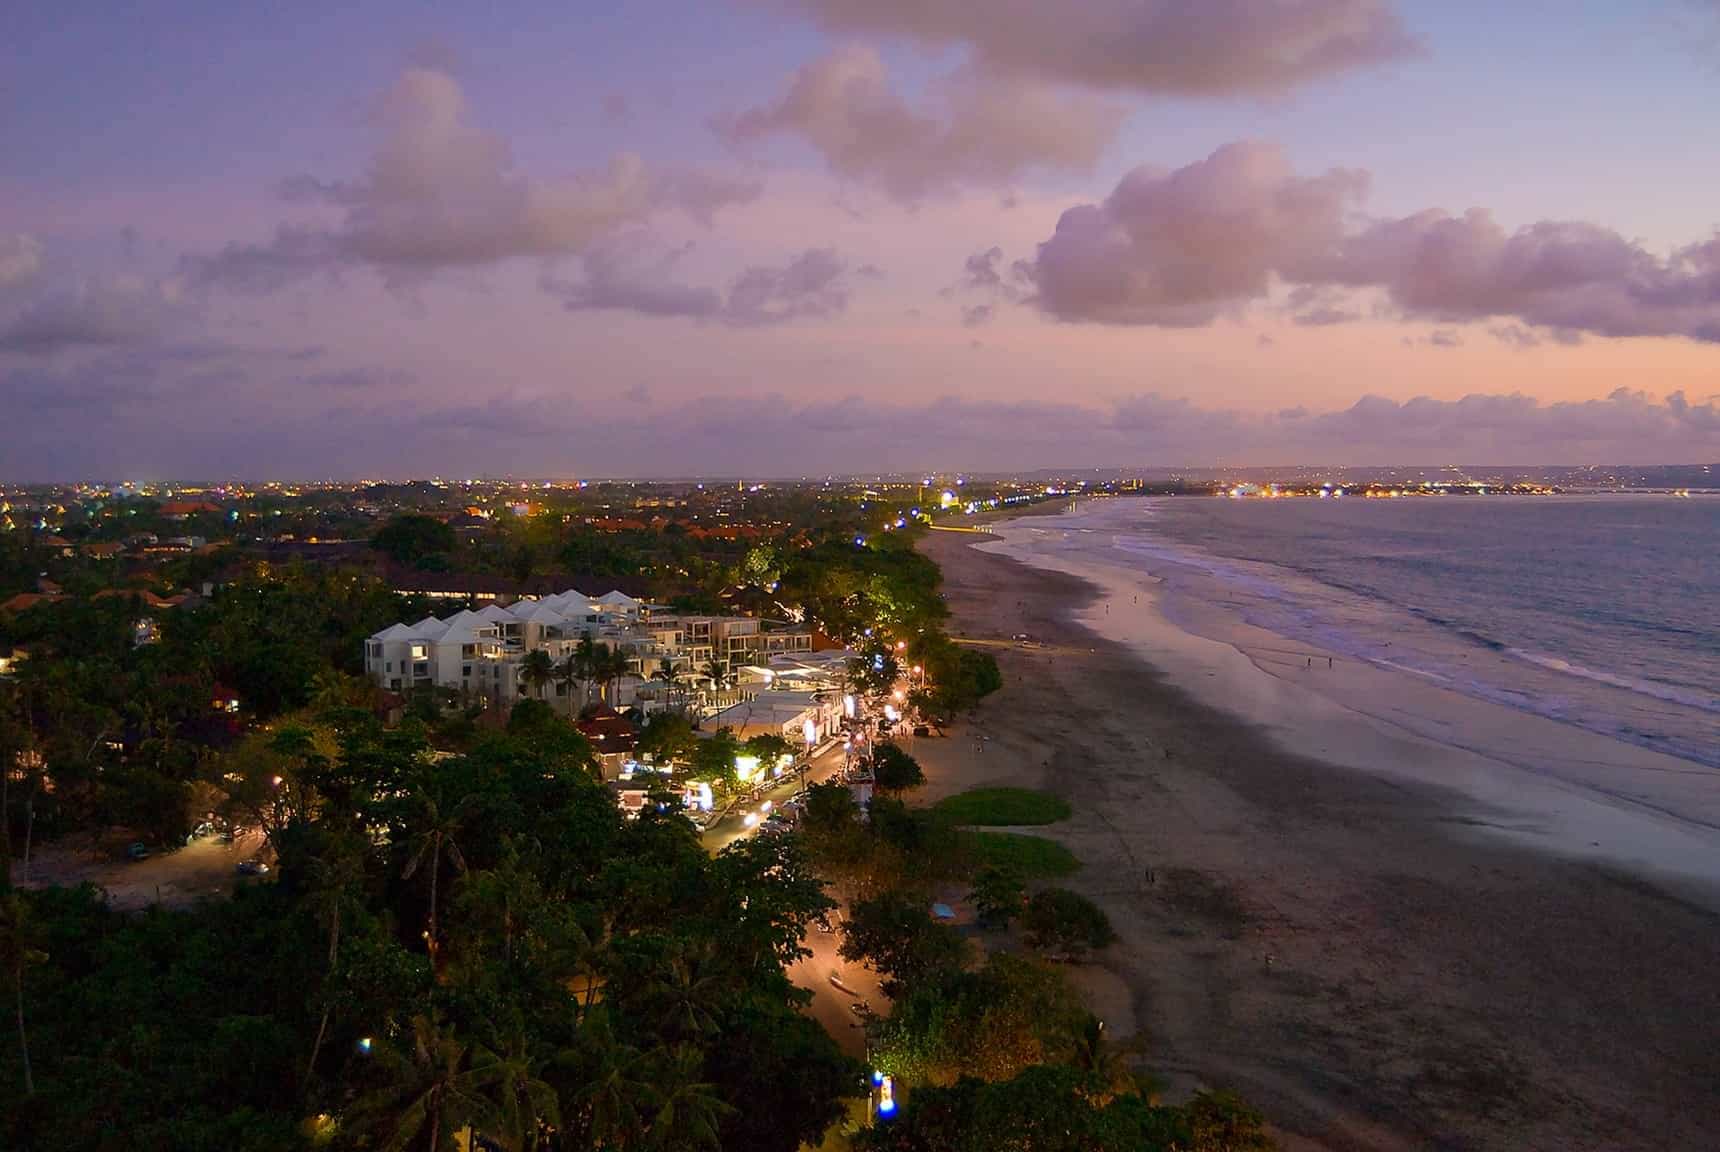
x=1381, y=939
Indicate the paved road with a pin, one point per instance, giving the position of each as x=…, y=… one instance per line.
x=733, y=824
x=831, y=1006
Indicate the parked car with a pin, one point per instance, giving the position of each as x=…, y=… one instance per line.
x=139, y=851
x=253, y=868
x=922, y=730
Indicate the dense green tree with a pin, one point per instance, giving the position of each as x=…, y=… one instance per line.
x=1065, y=922
x=893, y=770
x=998, y=896
x=412, y=538
x=1052, y=1108
x=899, y=941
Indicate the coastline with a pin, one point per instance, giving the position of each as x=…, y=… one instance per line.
x=1542, y=782
x=1343, y=947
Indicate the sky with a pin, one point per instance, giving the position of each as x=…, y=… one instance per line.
x=813, y=237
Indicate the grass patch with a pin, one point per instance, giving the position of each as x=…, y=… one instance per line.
x=1002, y=807
x=1030, y=857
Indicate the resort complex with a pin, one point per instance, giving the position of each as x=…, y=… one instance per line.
x=631, y=653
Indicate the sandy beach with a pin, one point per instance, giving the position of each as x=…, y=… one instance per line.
x=1379, y=959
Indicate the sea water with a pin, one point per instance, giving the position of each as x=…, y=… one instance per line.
x=1597, y=611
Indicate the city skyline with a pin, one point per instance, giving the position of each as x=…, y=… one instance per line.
x=812, y=237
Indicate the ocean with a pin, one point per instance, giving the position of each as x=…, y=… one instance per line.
x=1596, y=611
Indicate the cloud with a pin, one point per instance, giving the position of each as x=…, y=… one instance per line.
x=983, y=272
x=157, y=420
x=973, y=127
x=815, y=283
x=1184, y=247
x=1445, y=338
x=1168, y=47
x=1181, y=248
x=975, y=315
x=440, y=192
x=20, y=257
x=94, y=312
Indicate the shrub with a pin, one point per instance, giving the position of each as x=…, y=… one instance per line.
x=1063, y=921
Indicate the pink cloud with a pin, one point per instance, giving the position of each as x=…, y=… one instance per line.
x=1173, y=47
x=975, y=127
x=1181, y=248
x=442, y=192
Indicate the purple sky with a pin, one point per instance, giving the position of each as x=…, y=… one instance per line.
x=781, y=237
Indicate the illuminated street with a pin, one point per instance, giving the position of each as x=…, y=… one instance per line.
x=732, y=825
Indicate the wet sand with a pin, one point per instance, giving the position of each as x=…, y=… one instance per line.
x=1341, y=947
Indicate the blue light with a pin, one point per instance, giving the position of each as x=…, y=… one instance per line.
x=886, y=1096
x=877, y=1076
x=364, y=1046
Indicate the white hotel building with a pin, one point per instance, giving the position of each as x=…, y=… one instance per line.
x=482, y=652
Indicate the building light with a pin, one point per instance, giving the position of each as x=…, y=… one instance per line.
x=886, y=1095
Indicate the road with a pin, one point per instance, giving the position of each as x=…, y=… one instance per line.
x=831, y=1006
x=732, y=826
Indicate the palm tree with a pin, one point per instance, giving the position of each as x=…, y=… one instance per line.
x=1108, y=1063
x=585, y=660
x=537, y=670
x=670, y=677
x=567, y=674
x=686, y=993
x=337, y=875
x=500, y=902
x=609, y=1081
x=439, y=1088
x=717, y=673
x=688, y=1111
x=525, y=1106
x=611, y=665
x=14, y=932
x=437, y=839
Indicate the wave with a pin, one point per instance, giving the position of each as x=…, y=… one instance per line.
x=1668, y=692
x=1318, y=606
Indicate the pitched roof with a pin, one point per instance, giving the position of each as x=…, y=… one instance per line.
x=428, y=628
x=24, y=601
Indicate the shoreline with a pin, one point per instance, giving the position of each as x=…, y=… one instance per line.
x=1339, y=946
x=1545, y=783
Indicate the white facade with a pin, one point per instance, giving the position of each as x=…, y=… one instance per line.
x=482, y=652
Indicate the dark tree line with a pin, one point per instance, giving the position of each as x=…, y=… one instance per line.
x=476, y=944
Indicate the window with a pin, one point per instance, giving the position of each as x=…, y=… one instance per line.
x=420, y=651
x=468, y=650
x=389, y=667
x=375, y=650
x=466, y=670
